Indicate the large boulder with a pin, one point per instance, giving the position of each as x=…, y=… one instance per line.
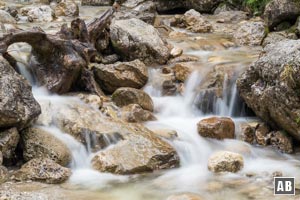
x=225, y=161
x=270, y=87
x=278, y=11
x=217, y=128
x=126, y=96
x=250, y=33
x=83, y=122
x=135, y=39
x=121, y=74
x=38, y=143
x=42, y=170
x=9, y=140
x=18, y=108
x=206, y=6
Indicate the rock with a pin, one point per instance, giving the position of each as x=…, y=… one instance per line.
x=9, y=140
x=135, y=39
x=185, y=196
x=184, y=58
x=278, y=11
x=282, y=142
x=166, y=133
x=42, y=13
x=225, y=161
x=248, y=134
x=274, y=37
x=192, y=20
x=66, y=8
x=176, y=52
x=250, y=33
x=268, y=82
x=206, y=6
x=163, y=6
x=217, y=128
x=232, y=16
x=6, y=18
x=91, y=99
x=18, y=108
x=38, y=143
x=42, y=170
x=137, y=155
x=135, y=113
x=96, y=2
x=262, y=134
x=4, y=175
x=125, y=96
x=121, y=74
x=182, y=71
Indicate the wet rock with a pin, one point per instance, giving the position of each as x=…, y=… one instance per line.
x=136, y=155
x=185, y=196
x=248, y=134
x=183, y=58
x=268, y=82
x=176, y=52
x=39, y=143
x=182, y=71
x=6, y=18
x=262, y=134
x=274, y=37
x=135, y=39
x=282, y=142
x=42, y=170
x=91, y=99
x=192, y=20
x=166, y=133
x=125, y=96
x=9, y=140
x=232, y=16
x=96, y=2
x=278, y=11
x=225, y=161
x=121, y=74
x=42, y=13
x=250, y=33
x=18, y=108
x=217, y=128
x=135, y=113
x=66, y=8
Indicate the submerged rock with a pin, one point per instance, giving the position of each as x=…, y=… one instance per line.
x=277, y=11
x=18, y=108
x=38, y=143
x=225, y=161
x=125, y=96
x=121, y=74
x=42, y=170
x=270, y=87
x=9, y=140
x=135, y=39
x=250, y=33
x=217, y=128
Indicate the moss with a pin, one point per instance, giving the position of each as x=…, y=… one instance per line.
x=256, y=6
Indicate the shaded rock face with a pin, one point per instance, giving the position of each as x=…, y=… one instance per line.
x=138, y=154
x=125, y=96
x=42, y=170
x=203, y=5
x=217, y=128
x=278, y=11
x=225, y=161
x=121, y=74
x=270, y=86
x=135, y=39
x=38, y=143
x=18, y=108
x=250, y=33
x=9, y=140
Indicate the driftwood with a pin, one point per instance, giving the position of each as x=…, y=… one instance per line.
x=58, y=60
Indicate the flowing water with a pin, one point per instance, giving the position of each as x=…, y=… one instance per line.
x=181, y=114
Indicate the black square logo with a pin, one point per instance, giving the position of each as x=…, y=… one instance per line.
x=284, y=186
